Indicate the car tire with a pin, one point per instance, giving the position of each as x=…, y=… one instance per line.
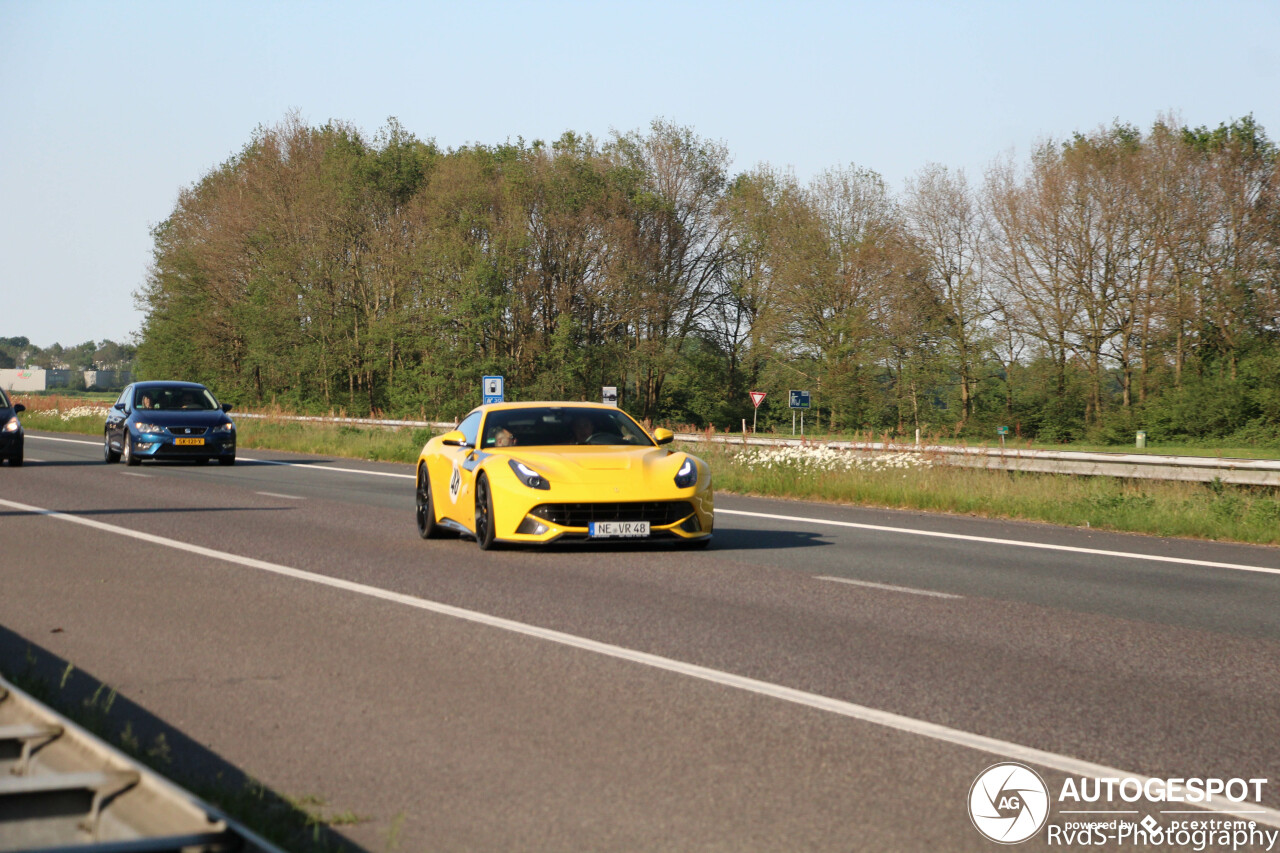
x=226, y=460
x=15, y=460
x=127, y=453
x=108, y=455
x=425, y=506
x=485, y=535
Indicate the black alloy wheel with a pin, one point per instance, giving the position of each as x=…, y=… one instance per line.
x=428, y=527
x=484, y=514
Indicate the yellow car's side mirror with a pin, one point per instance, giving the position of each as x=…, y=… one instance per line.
x=663, y=436
x=454, y=438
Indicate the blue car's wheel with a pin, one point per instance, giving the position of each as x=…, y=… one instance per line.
x=127, y=452
x=109, y=455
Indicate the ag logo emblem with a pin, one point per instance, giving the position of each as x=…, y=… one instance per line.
x=1008, y=803
x=455, y=483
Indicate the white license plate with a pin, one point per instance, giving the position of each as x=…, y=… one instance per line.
x=604, y=529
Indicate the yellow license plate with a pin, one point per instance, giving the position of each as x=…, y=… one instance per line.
x=188, y=441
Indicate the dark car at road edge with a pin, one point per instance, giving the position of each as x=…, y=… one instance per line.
x=11, y=436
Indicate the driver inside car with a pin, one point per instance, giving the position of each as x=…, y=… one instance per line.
x=582, y=430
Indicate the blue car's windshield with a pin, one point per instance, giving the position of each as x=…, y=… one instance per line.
x=544, y=426
x=173, y=397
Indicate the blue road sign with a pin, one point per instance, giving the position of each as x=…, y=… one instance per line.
x=492, y=389
x=799, y=399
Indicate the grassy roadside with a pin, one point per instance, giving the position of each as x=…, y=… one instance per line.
x=1157, y=507
x=1162, y=508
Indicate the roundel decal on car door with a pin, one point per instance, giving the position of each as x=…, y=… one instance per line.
x=455, y=482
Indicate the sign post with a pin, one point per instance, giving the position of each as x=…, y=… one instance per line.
x=757, y=397
x=609, y=395
x=491, y=389
x=797, y=400
x=1003, y=431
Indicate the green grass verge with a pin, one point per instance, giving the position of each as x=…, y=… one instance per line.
x=1162, y=508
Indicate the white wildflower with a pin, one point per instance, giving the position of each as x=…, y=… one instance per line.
x=807, y=459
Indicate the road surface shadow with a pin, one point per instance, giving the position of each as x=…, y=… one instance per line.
x=724, y=539
x=124, y=724
x=56, y=463
x=149, y=510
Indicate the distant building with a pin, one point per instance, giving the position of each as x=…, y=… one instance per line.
x=106, y=380
x=36, y=379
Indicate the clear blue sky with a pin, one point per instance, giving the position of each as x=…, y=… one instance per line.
x=108, y=109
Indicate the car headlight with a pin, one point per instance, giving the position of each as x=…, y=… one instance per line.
x=687, y=475
x=227, y=427
x=12, y=425
x=148, y=428
x=528, y=476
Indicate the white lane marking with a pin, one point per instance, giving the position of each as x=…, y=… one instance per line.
x=1014, y=542
x=306, y=466
x=311, y=466
x=278, y=495
x=899, y=722
x=1240, y=567
x=888, y=586
x=134, y=474
x=33, y=459
x=64, y=440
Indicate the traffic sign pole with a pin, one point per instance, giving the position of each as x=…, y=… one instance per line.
x=757, y=397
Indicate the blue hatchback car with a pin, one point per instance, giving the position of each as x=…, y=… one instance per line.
x=169, y=420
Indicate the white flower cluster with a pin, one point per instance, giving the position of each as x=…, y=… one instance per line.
x=821, y=459
x=71, y=414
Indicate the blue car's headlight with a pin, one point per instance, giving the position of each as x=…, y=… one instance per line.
x=148, y=428
x=687, y=475
x=227, y=427
x=12, y=425
x=528, y=476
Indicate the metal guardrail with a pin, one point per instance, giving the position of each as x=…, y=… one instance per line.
x=62, y=789
x=1204, y=469
x=1141, y=466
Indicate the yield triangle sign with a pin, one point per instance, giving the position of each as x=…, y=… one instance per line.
x=757, y=397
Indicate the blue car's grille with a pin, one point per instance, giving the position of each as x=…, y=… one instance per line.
x=185, y=431
x=657, y=513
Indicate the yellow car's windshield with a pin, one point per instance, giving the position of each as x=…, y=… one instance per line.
x=552, y=426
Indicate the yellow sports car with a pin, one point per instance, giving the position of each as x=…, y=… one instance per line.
x=537, y=472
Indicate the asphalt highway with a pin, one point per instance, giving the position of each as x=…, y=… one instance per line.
x=821, y=678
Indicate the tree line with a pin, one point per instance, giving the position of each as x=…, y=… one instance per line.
x=91, y=355
x=1119, y=280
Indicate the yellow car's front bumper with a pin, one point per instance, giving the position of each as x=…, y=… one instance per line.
x=674, y=519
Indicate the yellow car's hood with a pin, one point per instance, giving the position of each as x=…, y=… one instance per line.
x=599, y=465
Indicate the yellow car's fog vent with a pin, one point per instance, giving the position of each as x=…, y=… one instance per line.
x=657, y=513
